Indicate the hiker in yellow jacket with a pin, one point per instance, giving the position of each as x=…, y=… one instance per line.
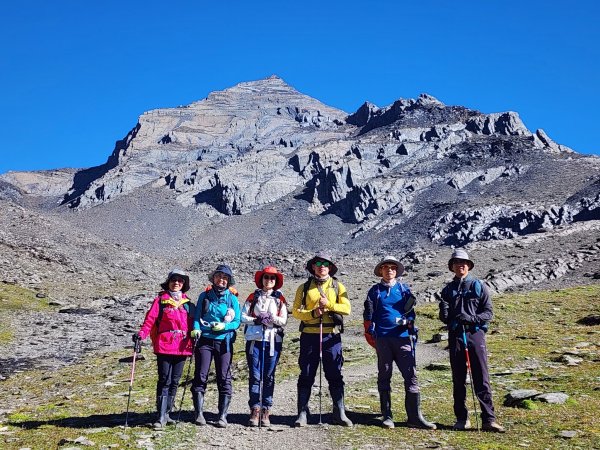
x=320, y=304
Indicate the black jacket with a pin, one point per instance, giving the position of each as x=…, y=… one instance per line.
x=466, y=302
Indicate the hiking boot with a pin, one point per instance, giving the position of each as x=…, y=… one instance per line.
x=224, y=401
x=264, y=418
x=385, y=401
x=303, y=411
x=493, y=427
x=198, y=398
x=162, y=404
x=254, y=417
x=412, y=403
x=462, y=424
x=339, y=410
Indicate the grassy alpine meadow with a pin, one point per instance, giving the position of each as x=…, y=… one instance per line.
x=527, y=343
x=84, y=404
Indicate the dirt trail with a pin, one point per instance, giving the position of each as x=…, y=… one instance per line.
x=281, y=434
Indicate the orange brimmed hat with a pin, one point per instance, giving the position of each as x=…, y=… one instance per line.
x=271, y=271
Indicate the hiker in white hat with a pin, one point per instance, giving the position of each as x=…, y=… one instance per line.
x=389, y=320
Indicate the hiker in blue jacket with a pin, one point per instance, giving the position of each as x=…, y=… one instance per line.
x=389, y=320
x=216, y=318
x=466, y=307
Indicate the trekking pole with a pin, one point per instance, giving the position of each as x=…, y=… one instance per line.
x=470, y=372
x=320, y=367
x=187, y=380
x=137, y=348
x=261, y=381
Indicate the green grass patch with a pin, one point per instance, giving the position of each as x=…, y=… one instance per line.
x=526, y=343
x=13, y=298
x=528, y=338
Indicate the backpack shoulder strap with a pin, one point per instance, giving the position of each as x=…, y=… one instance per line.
x=253, y=303
x=336, y=288
x=304, y=291
x=205, y=302
x=477, y=287
x=281, y=301
x=160, y=308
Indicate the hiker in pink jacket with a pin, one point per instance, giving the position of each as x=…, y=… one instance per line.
x=168, y=323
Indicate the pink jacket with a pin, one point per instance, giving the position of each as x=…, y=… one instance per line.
x=170, y=336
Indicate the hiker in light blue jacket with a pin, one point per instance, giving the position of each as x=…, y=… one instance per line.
x=215, y=321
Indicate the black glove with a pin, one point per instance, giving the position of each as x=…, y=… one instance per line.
x=136, y=337
x=465, y=319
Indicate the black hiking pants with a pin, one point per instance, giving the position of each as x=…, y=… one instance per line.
x=221, y=351
x=479, y=369
x=170, y=368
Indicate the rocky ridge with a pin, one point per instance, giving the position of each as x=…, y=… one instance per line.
x=248, y=146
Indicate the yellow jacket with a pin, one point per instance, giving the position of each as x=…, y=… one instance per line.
x=306, y=313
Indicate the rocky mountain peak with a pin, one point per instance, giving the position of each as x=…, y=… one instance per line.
x=416, y=164
x=267, y=90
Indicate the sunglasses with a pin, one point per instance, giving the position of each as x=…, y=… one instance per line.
x=269, y=277
x=177, y=280
x=389, y=267
x=322, y=263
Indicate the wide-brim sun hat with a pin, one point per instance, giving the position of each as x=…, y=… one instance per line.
x=223, y=268
x=179, y=273
x=270, y=270
x=459, y=253
x=389, y=260
x=321, y=256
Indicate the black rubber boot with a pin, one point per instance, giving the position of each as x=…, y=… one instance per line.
x=224, y=401
x=162, y=404
x=412, y=402
x=171, y=403
x=385, y=401
x=339, y=410
x=303, y=411
x=198, y=398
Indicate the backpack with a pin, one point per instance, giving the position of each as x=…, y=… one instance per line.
x=475, y=286
x=338, y=319
x=472, y=285
x=275, y=294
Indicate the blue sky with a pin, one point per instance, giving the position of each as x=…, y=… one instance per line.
x=75, y=75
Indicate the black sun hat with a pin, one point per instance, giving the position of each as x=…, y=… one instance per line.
x=177, y=273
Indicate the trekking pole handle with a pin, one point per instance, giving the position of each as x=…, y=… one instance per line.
x=137, y=346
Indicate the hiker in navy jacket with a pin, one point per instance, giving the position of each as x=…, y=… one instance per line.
x=466, y=306
x=389, y=320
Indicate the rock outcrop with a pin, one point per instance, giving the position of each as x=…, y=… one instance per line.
x=450, y=174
